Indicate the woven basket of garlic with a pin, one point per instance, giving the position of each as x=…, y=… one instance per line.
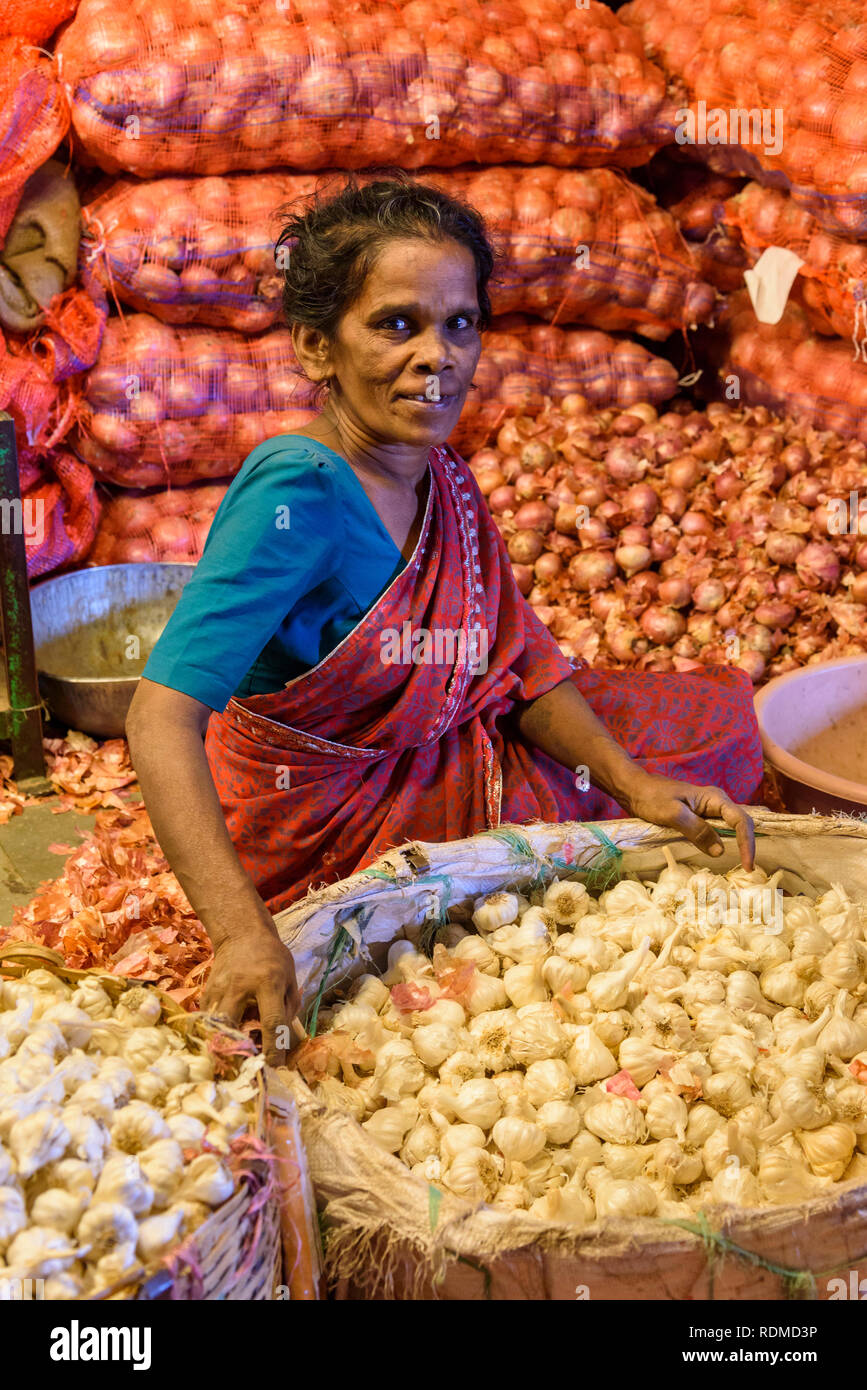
x=133, y=1162
x=564, y=1061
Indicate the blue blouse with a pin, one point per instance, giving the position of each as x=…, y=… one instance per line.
x=294, y=559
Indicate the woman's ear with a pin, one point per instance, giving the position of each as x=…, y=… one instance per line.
x=313, y=351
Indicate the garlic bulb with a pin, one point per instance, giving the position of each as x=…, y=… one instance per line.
x=137, y=1125
x=473, y=948
x=37, y=1139
x=625, y=1197
x=782, y=1179
x=612, y=1027
x=537, y=1035
x=496, y=910
x=641, y=1059
x=511, y=1197
x=489, y=1035
x=434, y=1042
x=736, y=1185
x=588, y=1059
x=818, y=996
x=702, y=1123
x=92, y=998
x=38, y=1252
x=462, y=1066
x=828, y=1149
x=524, y=984
x=731, y=1051
x=421, y=1142
x=161, y=1166
x=518, y=1139
x=559, y=1120
x=672, y=1164
x=624, y=1160
x=796, y=1105
x=567, y=902
x=138, y=1008
x=208, y=1180
x=122, y=1182
x=454, y=1138
x=728, y=1091
x=743, y=994
x=617, y=1119
x=728, y=1147
x=841, y=1035
x=561, y=975
x=157, y=1234
x=473, y=1174
x=589, y=951
x=443, y=1011
x=398, y=1071
x=105, y=1225
x=369, y=989
x=478, y=1103
x=57, y=1208
x=843, y=966
x=509, y=1084
x=610, y=988
x=549, y=1080
x=666, y=1117
x=485, y=994
x=569, y=1205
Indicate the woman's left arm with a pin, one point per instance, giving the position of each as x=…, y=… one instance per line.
x=562, y=724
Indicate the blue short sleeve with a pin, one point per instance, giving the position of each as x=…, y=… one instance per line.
x=277, y=535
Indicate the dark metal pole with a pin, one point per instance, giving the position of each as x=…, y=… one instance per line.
x=23, y=718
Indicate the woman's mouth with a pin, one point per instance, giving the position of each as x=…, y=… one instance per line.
x=427, y=403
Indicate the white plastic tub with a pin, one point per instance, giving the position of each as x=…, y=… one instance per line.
x=814, y=733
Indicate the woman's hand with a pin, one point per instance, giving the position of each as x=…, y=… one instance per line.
x=253, y=966
x=681, y=806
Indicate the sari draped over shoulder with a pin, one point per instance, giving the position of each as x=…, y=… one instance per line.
x=405, y=730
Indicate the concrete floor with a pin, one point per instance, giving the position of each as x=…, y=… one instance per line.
x=25, y=859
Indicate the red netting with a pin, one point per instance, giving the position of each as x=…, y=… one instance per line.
x=38, y=385
x=578, y=246
x=164, y=525
x=183, y=404
x=34, y=20
x=61, y=513
x=784, y=87
x=833, y=279
x=34, y=118
x=785, y=367
x=159, y=88
x=523, y=362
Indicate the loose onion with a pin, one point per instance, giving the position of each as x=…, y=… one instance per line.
x=525, y=547
x=675, y=592
x=523, y=578
x=662, y=625
x=502, y=499
x=591, y=569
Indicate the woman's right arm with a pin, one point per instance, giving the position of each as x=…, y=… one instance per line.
x=166, y=731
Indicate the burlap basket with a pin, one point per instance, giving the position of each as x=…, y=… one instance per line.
x=390, y=1235
x=236, y=1253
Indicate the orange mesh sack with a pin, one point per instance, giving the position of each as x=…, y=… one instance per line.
x=181, y=404
x=167, y=525
x=34, y=117
x=157, y=87
x=61, y=511
x=522, y=363
x=33, y=20
x=785, y=367
x=784, y=87
x=833, y=279
x=578, y=246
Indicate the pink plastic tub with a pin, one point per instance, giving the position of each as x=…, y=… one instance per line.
x=814, y=732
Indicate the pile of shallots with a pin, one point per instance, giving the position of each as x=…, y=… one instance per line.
x=114, y=1135
x=630, y=1056
x=663, y=542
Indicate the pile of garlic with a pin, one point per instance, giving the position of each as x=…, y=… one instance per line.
x=111, y=1134
x=578, y=1059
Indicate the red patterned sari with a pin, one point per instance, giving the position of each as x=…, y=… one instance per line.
x=364, y=752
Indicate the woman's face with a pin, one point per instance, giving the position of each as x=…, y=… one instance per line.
x=406, y=350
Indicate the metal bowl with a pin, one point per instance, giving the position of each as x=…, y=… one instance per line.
x=813, y=724
x=93, y=631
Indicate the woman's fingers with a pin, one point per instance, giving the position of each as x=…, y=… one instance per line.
x=696, y=830
x=275, y=1015
x=737, y=819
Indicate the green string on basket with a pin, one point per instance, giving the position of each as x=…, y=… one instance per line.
x=797, y=1283
x=341, y=941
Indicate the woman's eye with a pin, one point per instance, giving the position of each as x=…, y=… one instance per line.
x=398, y=323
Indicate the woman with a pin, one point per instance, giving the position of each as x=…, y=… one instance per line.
x=352, y=665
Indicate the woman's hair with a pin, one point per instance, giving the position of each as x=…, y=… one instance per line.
x=326, y=251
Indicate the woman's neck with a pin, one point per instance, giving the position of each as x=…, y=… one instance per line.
x=396, y=463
